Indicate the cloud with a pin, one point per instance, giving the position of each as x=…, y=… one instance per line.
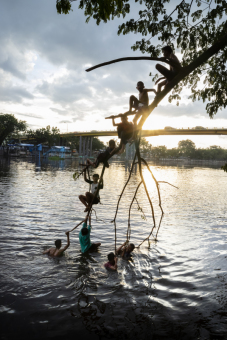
x=65, y=121
x=30, y=115
x=14, y=94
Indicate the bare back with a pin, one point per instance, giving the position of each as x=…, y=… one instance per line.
x=55, y=252
x=174, y=58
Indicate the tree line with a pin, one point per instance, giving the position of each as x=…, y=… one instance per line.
x=11, y=129
x=185, y=149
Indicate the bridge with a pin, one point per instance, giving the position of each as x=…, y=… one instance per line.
x=85, y=144
x=151, y=133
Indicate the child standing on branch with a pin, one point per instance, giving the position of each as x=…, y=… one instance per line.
x=175, y=67
x=91, y=197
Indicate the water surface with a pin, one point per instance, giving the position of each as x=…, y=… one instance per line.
x=174, y=288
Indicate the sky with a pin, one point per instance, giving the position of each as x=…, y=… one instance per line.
x=43, y=80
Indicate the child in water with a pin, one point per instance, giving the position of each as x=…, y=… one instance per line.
x=112, y=262
x=56, y=252
x=125, y=250
x=84, y=237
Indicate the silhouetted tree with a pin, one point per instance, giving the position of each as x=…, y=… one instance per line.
x=10, y=125
x=46, y=135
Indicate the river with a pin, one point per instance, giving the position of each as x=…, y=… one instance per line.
x=172, y=288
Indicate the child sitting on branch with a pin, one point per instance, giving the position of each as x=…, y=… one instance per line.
x=140, y=104
x=91, y=197
x=175, y=67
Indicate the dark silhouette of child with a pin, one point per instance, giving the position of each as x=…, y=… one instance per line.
x=168, y=74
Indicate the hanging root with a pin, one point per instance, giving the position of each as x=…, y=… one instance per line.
x=119, y=199
x=129, y=212
x=145, y=187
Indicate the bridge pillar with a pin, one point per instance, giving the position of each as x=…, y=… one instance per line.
x=80, y=145
x=126, y=151
x=91, y=146
x=84, y=141
x=87, y=146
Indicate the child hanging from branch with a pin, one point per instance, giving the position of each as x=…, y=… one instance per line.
x=104, y=156
x=91, y=197
x=84, y=237
x=175, y=67
x=124, y=130
x=140, y=104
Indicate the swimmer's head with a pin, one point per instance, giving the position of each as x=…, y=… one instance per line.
x=58, y=244
x=84, y=231
x=111, y=257
x=131, y=247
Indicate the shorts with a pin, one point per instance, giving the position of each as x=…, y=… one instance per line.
x=102, y=159
x=96, y=200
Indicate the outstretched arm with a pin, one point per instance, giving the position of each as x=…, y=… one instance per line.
x=68, y=242
x=117, y=251
x=151, y=90
x=113, y=122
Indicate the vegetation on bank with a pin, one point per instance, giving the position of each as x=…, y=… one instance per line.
x=186, y=149
x=10, y=128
